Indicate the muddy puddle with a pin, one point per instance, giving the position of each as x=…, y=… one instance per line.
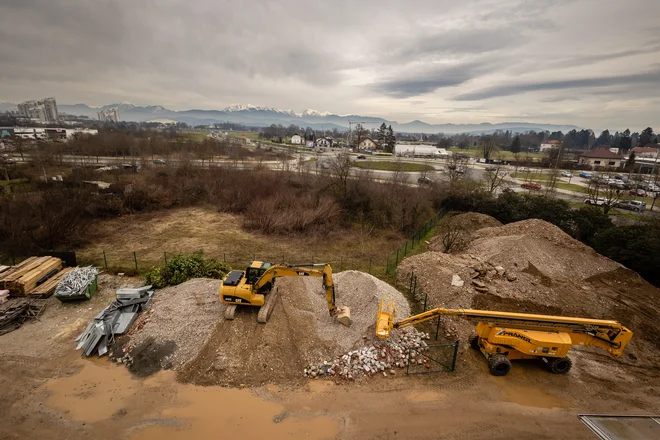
x=159, y=408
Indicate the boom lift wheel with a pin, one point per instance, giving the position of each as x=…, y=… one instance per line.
x=474, y=342
x=499, y=365
x=560, y=365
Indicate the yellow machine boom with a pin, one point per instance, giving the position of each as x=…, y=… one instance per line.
x=254, y=287
x=503, y=336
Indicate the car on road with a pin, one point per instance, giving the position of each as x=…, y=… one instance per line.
x=531, y=185
x=586, y=175
x=631, y=205
x=158, y=162
x=491, y=168
x=525, y=170
x=425, y=181
x=566, y=174
x=600, y=201
x=362, y=156
x=637, y=192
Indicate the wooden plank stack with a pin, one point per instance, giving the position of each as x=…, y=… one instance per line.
x=24, y=277
x=47, y=288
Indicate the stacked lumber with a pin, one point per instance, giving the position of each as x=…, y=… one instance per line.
x=26, y=276
x=15, y=269
x=47, y=288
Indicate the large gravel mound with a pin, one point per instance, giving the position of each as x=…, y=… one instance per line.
x=186, y=330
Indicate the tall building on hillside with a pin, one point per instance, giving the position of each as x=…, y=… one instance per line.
x=109, y=115
x=44, y=110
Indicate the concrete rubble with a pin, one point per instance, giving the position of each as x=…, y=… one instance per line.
x=116, y=319
x=379, y=357
x=456, y=281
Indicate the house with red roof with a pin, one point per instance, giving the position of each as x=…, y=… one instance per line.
x=602, y=157
x=549, y=145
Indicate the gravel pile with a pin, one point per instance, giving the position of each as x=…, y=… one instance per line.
x=359, y=291
x=181, y=318
x=380, y=357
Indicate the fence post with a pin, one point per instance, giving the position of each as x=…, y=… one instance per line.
x=453, y=362
x=387, y=266
x=13, y=260
x=135, y=259
x=426, y=297
x=405, y=249
x=105, y=261
x=437, y=329
x=165, y=255
x=396, y=263
x=370, y=260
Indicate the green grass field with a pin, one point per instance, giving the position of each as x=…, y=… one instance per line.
x=196, y=135
x=391, y=166
x=504, y=155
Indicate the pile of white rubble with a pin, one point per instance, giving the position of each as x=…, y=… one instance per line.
x=380, y=357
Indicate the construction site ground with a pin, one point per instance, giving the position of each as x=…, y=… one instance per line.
x=191, y=374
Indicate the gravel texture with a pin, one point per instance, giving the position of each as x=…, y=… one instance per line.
x=183, y=315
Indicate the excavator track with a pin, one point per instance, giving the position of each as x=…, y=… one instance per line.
x=230, y=311
x=267, y=308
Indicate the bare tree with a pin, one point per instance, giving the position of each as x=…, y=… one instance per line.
x=488, y=147
x=340, y=168
x=608, y=194
x=360, y=134
x=496, y=178
x=457, y=168
x=452, y=235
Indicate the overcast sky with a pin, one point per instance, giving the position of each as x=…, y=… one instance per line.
x=593, y=63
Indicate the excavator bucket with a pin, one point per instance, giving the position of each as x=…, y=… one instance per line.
x=386, y=318
x=344, y=316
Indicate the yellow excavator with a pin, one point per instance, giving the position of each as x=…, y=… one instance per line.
x=506, y=336
x=256, y=287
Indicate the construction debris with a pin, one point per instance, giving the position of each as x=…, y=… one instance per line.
x=15, y=311
x=379, y=357
x=116, y=319
x=24, y=277
x=80, y=283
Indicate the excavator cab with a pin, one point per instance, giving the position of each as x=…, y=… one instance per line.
x=255, y=270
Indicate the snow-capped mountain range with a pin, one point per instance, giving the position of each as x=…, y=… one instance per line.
x=258, y=116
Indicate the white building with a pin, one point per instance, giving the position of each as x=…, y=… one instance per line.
x=367, y=144
x=109, y=115
x=40, y=133
x=408, y=150
x=548, y=145
x=44, y=110
x=296, y=139
x=324, y=142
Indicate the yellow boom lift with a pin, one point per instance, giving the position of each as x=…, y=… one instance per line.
x=255, y=287
x=506, y=336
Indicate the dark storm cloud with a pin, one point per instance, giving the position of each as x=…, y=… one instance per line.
x=641, y=79
x=427, y=81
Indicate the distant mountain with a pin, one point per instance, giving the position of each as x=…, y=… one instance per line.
x=258, y=116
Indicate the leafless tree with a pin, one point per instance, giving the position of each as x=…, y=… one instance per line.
x=340, y=169
x=359, y=134
x=609, y=194
x=452, y=234
x=488, y=147
x=496, y=178
x=457, y=168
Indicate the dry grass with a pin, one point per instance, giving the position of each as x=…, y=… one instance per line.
x=221, y=235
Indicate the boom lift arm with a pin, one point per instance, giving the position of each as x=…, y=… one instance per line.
x=520, y=335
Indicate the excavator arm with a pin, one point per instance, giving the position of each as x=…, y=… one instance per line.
x=606, y=334
x=301, y=270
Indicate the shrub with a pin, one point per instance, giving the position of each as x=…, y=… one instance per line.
x=184, y=267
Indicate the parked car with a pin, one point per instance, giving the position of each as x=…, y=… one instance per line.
x=637, y=192
x=631, y=205
x=622, y=177
x=158, y=162
x=600, y=201
x=362, y=156
x=458, y=170
x=531, y=185
x=566, y=174
x=424, y=181
x=586, y=175
x=491, y=168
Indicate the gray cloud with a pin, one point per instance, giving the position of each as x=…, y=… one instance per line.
x=640, y=79
x=344, y=56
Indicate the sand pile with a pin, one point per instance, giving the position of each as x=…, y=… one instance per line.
x=534, y=267
x=186, y=330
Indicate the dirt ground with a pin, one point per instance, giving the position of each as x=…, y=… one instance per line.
x=221, y=235
x=48, y=391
